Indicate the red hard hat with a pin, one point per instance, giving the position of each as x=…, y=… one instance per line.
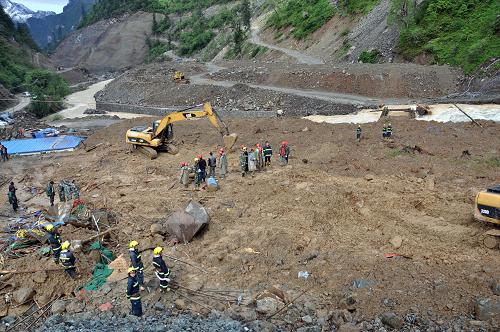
x=257, y=145
x=200, y=156
x=221, y=150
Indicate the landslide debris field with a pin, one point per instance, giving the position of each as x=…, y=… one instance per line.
x=334, y=212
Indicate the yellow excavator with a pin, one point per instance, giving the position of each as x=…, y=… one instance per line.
x=179, y=77
x=487, y=209
x=150, y=140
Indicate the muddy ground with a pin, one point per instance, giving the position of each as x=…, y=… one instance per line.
x=332, y=212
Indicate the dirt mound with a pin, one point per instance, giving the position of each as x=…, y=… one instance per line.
x=380, y=81
x=152, y=85
x=108, y=45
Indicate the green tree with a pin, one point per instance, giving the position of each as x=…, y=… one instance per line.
x=48, y=89
x=238, y=39
x=246, y=14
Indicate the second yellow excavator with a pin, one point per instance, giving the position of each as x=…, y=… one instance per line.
x=150, y=140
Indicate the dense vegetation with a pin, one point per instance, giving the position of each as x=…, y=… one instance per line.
x=371, y=56
x=463, y=33
x=306, y=16
x=47, y=89
x=14, y=56
x=110, y=8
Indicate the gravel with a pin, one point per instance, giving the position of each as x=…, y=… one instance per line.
x=179, y=323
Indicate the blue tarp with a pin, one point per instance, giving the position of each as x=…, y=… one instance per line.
x=40, y=145
x=47, y=132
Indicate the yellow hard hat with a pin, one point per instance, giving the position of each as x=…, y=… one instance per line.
x=65, y=245
x=130, y=270
x=157, y=250
x=196, y=159
x=133, y=244
x=49, y=227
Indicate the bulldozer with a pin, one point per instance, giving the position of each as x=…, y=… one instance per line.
x=179, y=77
x=487, y=209
x=159, y=137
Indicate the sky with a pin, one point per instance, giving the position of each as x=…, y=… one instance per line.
x=47, y=5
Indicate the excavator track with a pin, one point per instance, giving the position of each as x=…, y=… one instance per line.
x=491, y=239
x=147, y=151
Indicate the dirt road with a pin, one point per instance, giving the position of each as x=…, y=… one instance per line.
x=299, y=56
x=23, y=102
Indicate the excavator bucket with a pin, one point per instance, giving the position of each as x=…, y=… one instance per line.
x=230, y=140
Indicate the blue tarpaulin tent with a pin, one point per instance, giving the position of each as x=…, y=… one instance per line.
x=40, y=145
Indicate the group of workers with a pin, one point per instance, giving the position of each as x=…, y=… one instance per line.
x=386, y=132
x=256, y=159
x=135, y=282
x=259, y=158
x=199, y=169
x=4, y=154
x=63, y=255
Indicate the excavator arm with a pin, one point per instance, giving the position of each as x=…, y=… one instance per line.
x=190, y=113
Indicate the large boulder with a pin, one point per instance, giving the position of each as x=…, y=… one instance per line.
x=23, y=294
x=267, y=306
x=487, y=309
x=58, y=307
x=184, y=225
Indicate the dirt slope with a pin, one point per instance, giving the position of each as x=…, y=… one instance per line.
x=331, y=212
x=108, y=45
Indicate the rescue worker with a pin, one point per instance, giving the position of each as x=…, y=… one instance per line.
x=268, y=153
x=51, y=192
x=260, y=156
x=184, y=174
x=54, y=240
x=384, y=131
x=243, y=161
x=197, y=177
x=13, y=197
x=1, y=152
x=284, y=153
x=62, y=195
x=223, y=163
x=202, y=166
x=135, y=259
x=389, y=130
x=252, y=162
x=162, y=270
x=68, y=260
x=358, y=133
x=5, y=154
x=212, y=164
x=133, y=293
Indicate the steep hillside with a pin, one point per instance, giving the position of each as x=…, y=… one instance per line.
x=15, y=52
x=48, y=31
x=107, y=45
x=190, y=28
x=460, y=33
